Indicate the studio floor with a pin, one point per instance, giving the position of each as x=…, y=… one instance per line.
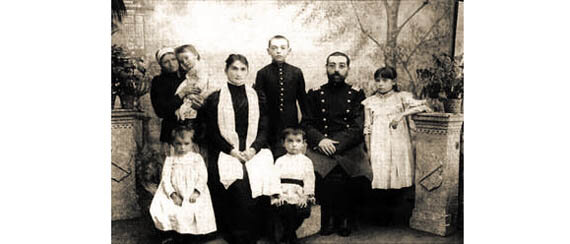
x=138, y=231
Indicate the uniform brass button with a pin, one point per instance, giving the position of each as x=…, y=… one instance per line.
x=281, y=99
x=348, y=110
x=349, y=92
x=326, y=127
x=281, y=109
x=347, y=126
x=326, y=135
x=348, y=100
x=281, y=88
x=324, y=110
x=322, y=100
x=322, y=92
x=324, y=119
x=281, y=78
x=345, y=118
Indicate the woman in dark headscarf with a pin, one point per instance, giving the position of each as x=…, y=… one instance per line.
x=162, y=90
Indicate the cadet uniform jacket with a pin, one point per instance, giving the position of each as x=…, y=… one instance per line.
x=336, y=112
x=282, y=85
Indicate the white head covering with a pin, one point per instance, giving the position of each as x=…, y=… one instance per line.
x=163, y=51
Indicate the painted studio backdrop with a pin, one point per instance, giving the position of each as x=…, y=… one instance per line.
x=405, y=34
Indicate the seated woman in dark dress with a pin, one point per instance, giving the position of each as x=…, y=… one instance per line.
x=240, y=169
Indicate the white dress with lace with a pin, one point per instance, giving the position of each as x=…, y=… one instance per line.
x=390, y=150
x=183, y=174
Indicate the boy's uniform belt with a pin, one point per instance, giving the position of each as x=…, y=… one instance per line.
x=292, y=181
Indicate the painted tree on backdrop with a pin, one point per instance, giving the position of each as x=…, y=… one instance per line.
x=406, y=45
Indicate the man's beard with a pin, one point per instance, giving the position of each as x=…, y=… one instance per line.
x=336, y=78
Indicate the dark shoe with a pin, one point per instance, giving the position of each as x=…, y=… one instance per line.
x=327, y=227
x=344, y=229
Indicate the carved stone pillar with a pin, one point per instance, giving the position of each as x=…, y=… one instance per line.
x=437, y=172
x=127, y=133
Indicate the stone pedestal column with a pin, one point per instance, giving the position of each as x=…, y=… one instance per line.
x=437, y=172
x=127, y=133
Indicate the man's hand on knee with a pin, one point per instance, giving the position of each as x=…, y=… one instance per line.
x=327, y=146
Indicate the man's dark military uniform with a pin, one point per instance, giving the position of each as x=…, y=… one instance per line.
x=335, y=112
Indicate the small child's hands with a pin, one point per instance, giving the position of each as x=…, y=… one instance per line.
x=394, y=124
x=280, y=201
x=396, y=121
x=311, y=199
x=194, y=196
x=176, y=198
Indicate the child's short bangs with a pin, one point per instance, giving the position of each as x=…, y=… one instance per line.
x=292, y=131
x=181, y=131
x=386, y=73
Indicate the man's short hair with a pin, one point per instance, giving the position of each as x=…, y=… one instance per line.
x=337, y=53
x=277, y=37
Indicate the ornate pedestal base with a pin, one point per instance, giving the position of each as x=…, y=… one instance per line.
x=126, y=133
x=437, y=172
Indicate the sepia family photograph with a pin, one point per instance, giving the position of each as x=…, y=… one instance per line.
x=273, y=121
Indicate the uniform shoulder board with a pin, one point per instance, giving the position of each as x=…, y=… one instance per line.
x=356, y=88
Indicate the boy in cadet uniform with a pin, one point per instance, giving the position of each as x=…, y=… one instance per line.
x=282, y=85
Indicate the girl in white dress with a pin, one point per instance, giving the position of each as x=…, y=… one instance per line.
x=386, y=131
x=182, y=202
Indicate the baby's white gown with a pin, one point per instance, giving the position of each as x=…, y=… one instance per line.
x=183, y=174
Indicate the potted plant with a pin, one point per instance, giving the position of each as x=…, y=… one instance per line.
x=129, y=78
x=443, y=81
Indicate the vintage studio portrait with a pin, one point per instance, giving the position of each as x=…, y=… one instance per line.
x=273, y=121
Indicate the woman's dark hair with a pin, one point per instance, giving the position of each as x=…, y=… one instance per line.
x=388, y=73
x=187, y=48
x=292, y=131
x=236, y=57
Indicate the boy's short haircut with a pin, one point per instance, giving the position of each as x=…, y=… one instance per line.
x=181, y=130
x=187, y=48
x=277, y=37
x=292, y=131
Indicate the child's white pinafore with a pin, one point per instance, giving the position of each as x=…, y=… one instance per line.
x=183, y=175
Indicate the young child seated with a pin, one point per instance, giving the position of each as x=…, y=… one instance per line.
x=297, y=186
x=182, y=202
